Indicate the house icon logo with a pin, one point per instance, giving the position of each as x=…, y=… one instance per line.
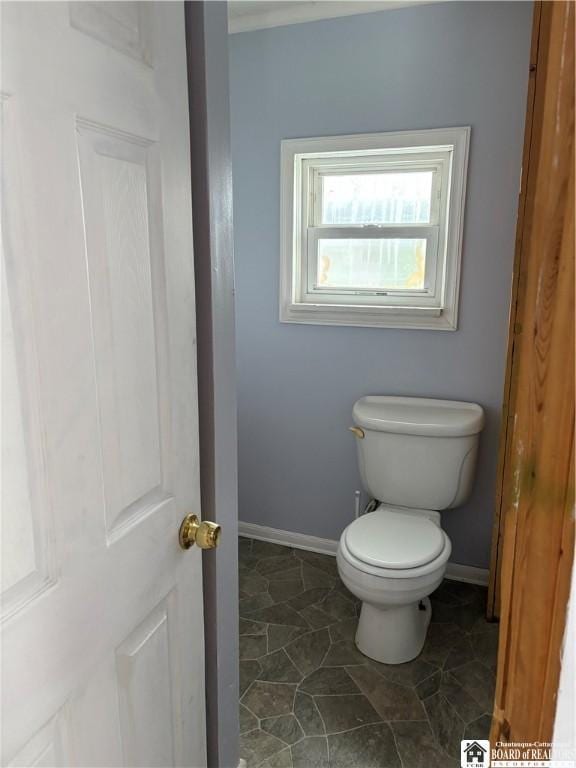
x=475, y=753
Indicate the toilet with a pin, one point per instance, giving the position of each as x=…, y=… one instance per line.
x=417, y=456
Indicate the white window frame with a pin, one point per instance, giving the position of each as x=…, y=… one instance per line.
x=304, y=162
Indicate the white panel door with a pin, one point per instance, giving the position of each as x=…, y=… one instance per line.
x=102, y=627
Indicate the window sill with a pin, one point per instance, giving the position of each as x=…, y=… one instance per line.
x=416, y=318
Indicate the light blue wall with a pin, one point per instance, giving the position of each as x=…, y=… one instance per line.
x=426, y=67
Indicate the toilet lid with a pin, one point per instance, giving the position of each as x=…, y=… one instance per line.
x=394, y=539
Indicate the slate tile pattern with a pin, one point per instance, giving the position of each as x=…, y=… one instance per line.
x=310, y=699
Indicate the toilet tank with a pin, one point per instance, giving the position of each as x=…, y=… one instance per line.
x=417, y=452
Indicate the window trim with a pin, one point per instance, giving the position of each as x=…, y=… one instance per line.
x=300, y=159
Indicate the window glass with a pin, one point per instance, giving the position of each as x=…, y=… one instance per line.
x=377, y=198
x=371, y=263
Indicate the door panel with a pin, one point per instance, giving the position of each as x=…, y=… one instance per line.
x=99, y=388
x=149, y=708
x=122, y=205
x=27, y=535
x=121, y=25
x=47, y=748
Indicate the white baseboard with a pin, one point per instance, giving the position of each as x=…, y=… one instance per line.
x=288, y=538
x=454, y=571
x=468, y=573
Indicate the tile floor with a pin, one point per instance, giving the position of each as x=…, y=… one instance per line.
x=310, y=699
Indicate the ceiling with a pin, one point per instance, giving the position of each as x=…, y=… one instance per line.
x=247, y=15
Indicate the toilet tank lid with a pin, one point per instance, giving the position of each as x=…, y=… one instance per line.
x=418, y=416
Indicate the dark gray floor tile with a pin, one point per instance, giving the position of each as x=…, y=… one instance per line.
x=247, y=563
x=343, y=630
x=248, y=605
x=277, y=668
x=316, y=577
x=483, y=625
x=430, y=686
x=283, y=590
x=311, y=752
x=485, y=645
x=280, y=635
x=257, y=745
x=478, y=681
x=410, y=674
x=341, y=713
x=308, y=715
x=252, y=583
x=326, y=563
x=282, y=759
x=316, y=617
x=275, y=564
x=345, y=592
x=294, y=571
x=447, y=726
x=439, y=642
x=309, y=597
x=247, y=720
x=252, y=646
x=338, y=606
x=328, y=681
x=308, y=650
x=460, y=653
x=248, y=672
x=248, y=627
x=285, y=727
x=278, y=614
x=467, y=707
x=444, y=595
x=391, y=700
x=479, y=729
x=371, y=746
x=418, y=747
x=298, y=604
x=343, y=654
x=443, y=613
x=466, y=593
x=468, y=615
x=269, y=699
x=244, y=551
x=263, y=549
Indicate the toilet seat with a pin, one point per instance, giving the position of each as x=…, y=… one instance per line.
x=392, y=544
x=389, y=539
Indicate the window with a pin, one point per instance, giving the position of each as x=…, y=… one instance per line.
x=372, y=229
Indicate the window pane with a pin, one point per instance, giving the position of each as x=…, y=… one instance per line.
x=371, y=263
x=377, y=198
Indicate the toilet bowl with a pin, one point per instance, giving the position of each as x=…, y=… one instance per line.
x=392, y=559
x=410, y=450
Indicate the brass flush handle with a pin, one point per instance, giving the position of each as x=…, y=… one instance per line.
x=358, y=432
x=205, y=534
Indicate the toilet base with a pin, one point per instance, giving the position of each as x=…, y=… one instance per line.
x=393, y=635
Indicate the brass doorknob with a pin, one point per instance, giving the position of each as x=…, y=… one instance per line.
x=204, y=534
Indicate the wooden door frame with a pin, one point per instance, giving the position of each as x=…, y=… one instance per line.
x=516, y=306
x=534, y=541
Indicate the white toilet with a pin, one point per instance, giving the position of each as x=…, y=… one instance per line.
x=416, y=456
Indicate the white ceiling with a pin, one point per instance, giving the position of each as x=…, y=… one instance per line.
x=246, y=15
